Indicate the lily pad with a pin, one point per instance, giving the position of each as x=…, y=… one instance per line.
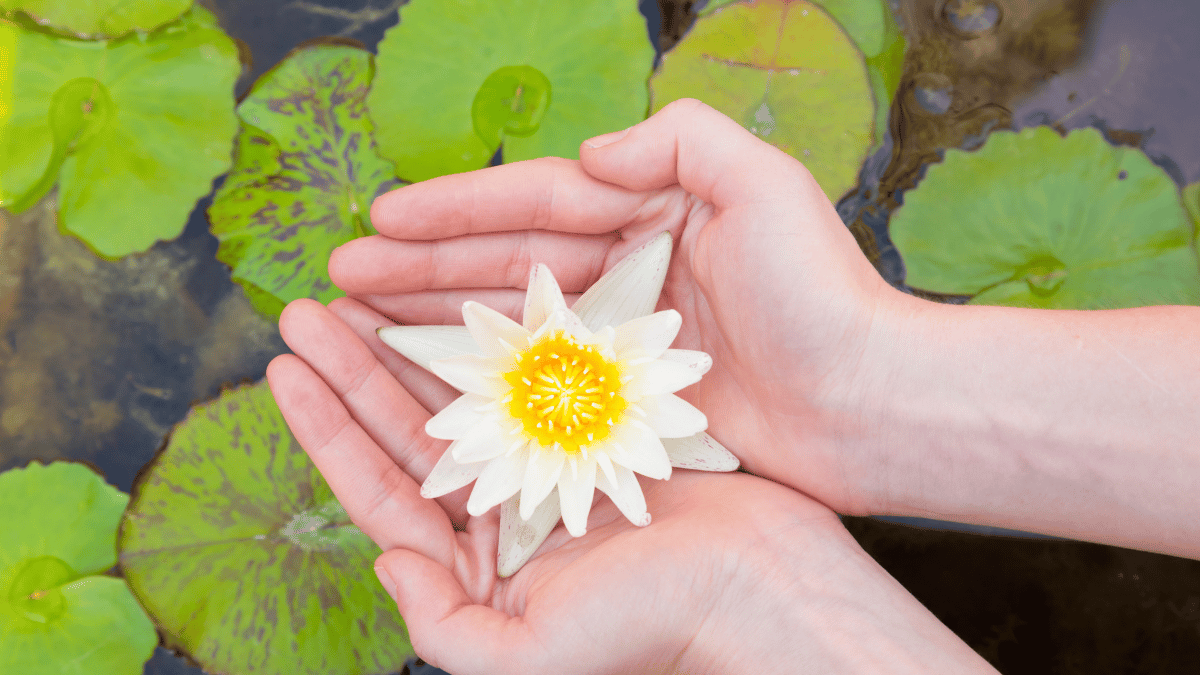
x=132, y=130
x=456, y=80
x=787, y=72
x=304, y=177
x=99, y=18
x=59, y=613
x=1191, y=200
x=872, y=27
x=239, y=550
x=1034, y=219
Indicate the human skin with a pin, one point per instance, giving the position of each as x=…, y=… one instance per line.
x=825, y=380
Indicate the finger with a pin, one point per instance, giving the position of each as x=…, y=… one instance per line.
x=379, y=265
x=709, y=155
x=426, y=388
x=542, y=194
x=444, y=308
x=448, y=630
x=380, y=498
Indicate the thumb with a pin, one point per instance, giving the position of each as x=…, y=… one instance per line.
x=709, y=155
x=445, y=627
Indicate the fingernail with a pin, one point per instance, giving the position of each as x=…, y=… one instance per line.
x=386, y=580
x=605, y=139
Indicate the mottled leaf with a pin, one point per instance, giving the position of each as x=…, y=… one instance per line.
x=305, y=174
x=564, y=71
x=132, y=130
x=99, y=18
x=58, y=613
x=239, y=550
x=1035, y=219
x=787, y=72
x=872, y=27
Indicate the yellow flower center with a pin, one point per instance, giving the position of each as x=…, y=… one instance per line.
x=565, y=393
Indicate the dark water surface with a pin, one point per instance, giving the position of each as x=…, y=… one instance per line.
x=101, y=359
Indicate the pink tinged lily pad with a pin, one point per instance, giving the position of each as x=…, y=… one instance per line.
x=239, y=550
x=788, y=72
x=305, y=175
x=1038, y=220
x=59, y=611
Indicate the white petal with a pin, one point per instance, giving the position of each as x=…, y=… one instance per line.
x=672, y=417
x=448, y=476
x=576, y=486
x=626, y=493
x=542, y=297
x=476, y=374
x=657, y=377
x=634, y=446
x=519, y=538
x=486, y=440
x=422, y=344
x=647, y=337
x=606, y=466
x=456, y=419
x=630, y=289
x=488, y=327
x=499, y=480
x=697, y=361
x=700, y=452
x=541, y=475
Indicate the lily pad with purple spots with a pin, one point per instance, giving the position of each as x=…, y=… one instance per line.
x=59, y=611
x=305, y=174
x=239, y=550
x=1033, y=219
x=785, y=70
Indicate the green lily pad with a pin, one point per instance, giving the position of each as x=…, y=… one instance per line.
x=239, y=550
x=458, y=79
x=1191, y=200
x=132, y=130
x=872, y=27
x=1034, y=219
x=304, y=178
x=59, y=613
x=99, y=18
x=787, y=72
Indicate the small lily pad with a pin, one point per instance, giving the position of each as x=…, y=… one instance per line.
x=304, y=178
x=456, y=80
x=99, y=18
x=872, y=27
x=132, y=130
x=239, y=550
x=1034, y=219
x=786, y=71
x=59, y=613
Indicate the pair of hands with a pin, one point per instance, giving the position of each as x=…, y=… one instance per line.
x=737, y=573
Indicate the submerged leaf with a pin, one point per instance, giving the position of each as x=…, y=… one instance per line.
x=100, y=18
x=1035, y=219
x=305, y=176
x=58, y=612
x=239, y=550
x=448, y=72
x=133, y=130
x=786, y=71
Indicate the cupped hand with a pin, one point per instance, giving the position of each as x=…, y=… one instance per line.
x=769, y=281
x=734, y=574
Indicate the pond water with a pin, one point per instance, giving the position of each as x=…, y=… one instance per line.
x=101, y=359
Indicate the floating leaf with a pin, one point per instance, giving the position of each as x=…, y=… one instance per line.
x=872, y=27
x=305, y=176
x=133, y=130
x=1035, y=219
x=100, y=18
x=239, y=550
x=1191, y=200
x=58, y=612
x=786, y=71
x=458, y=79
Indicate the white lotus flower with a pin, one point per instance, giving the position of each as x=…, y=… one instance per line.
x=564, y=403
